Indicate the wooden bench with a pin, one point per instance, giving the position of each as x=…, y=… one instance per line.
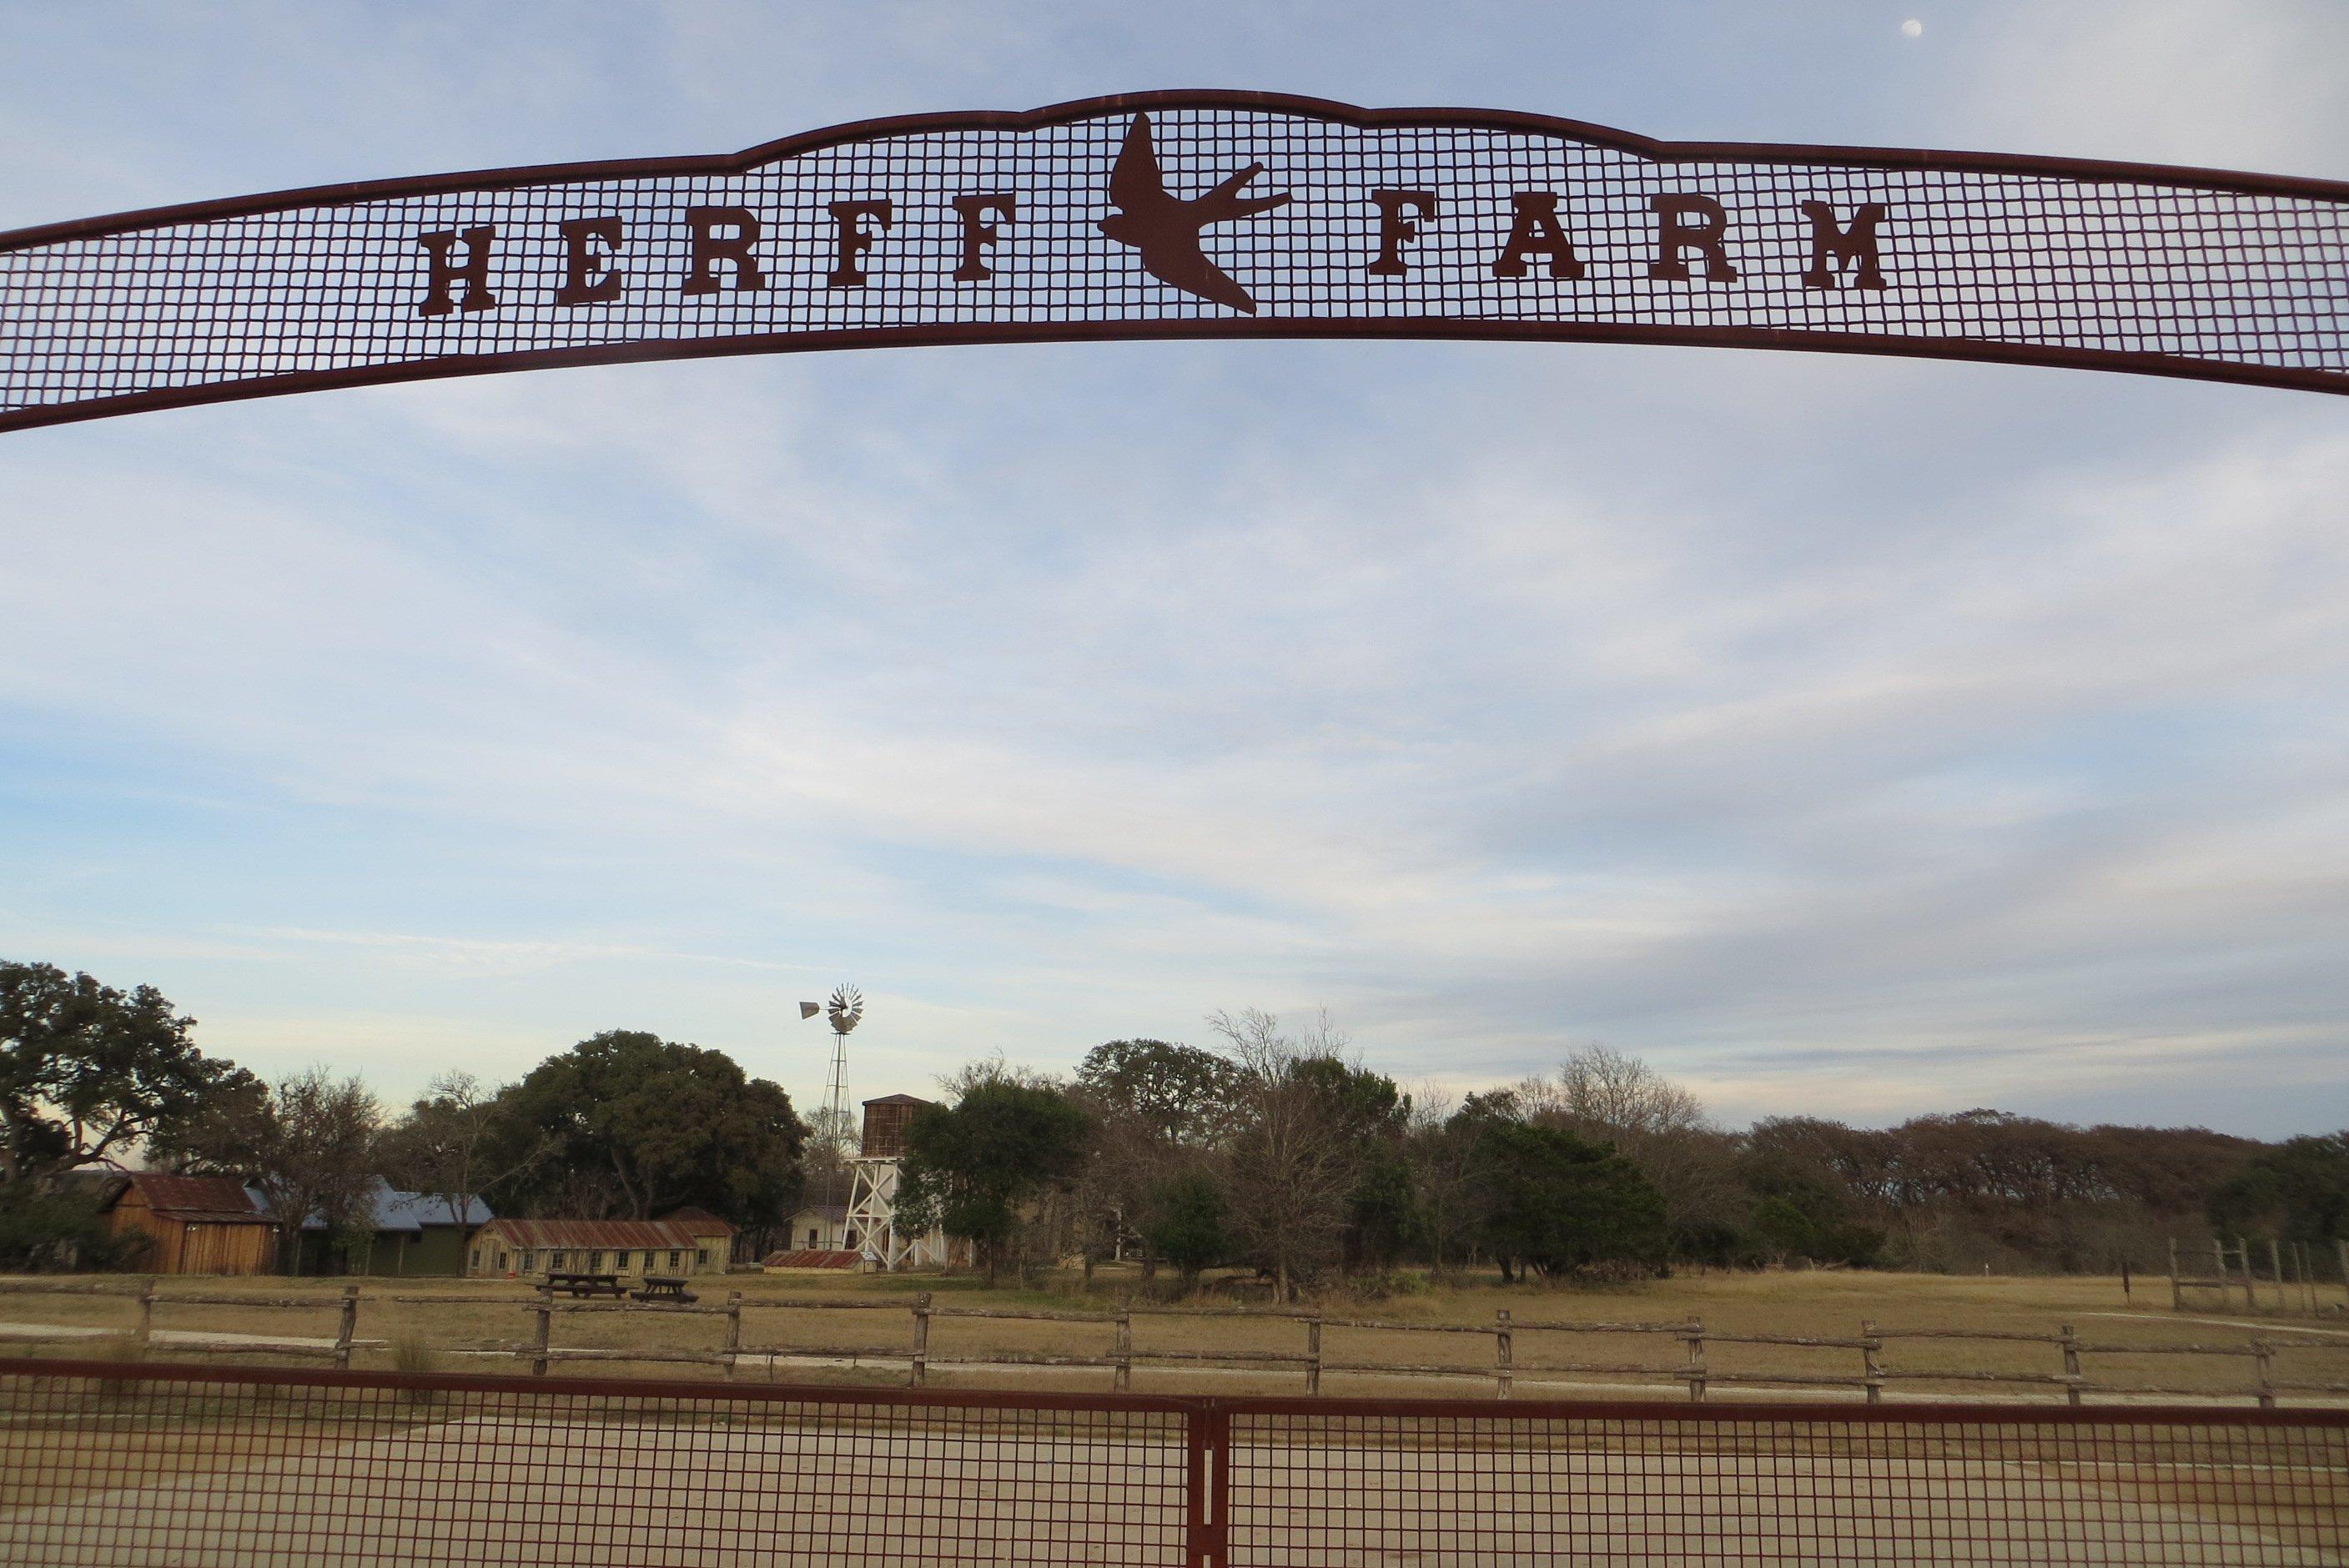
x=666, y=1289
x=585, y=1284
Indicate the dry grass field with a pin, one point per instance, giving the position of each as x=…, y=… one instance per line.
x=864, y=1332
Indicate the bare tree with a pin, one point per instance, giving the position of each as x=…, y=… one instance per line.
x=1659, y=1126
x=1443, y=1157
x=982, y=1071
x=451, y=1145
x=307, y=1144
x=1291, y=1171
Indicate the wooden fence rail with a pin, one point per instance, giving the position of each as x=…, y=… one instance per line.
x=1511, y=1361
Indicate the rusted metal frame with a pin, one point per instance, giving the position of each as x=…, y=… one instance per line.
x=1891, y=1413
x=352, y=193
x=1409, y=329
x=644, y=1387
x=1207, y=1485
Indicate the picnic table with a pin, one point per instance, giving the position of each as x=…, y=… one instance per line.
x=666, y=1287
x=584, y=1284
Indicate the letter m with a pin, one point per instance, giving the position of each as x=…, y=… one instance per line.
x=1854, y=249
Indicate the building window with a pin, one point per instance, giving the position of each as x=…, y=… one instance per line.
x=477, y=1257
x=596, y=1261
x=811, y=1236
x=677, y=1257
x=502, y=1260
x=701, y=1258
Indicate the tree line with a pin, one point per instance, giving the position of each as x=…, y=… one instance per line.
x=1273, y=1150
x=1279, y=1151
x=624, y=1125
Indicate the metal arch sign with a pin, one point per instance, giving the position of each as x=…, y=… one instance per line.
x=1183, y=214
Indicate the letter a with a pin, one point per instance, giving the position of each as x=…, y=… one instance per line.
x=1534, y=230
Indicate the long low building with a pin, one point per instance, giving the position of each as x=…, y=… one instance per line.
x=687, y=1242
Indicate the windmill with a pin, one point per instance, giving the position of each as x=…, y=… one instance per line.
x=846, y=1007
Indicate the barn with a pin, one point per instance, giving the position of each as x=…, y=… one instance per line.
x=195, y=1224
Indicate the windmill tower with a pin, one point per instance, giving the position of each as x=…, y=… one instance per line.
x=846, y=1007
x=878, y=1160
x=874, y=1174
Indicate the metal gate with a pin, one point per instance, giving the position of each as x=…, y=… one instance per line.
x=106, y=1463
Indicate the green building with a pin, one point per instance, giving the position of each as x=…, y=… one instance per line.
x=409, y=1233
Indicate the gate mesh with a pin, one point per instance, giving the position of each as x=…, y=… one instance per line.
x=170, y=1471
x=1491, y=1490
x=173, y=1467
x=1986, y=258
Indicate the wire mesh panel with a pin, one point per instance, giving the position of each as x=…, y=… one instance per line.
x=104, y=1464
x=1183, y=214
x=1603, y=1485
x=175, y=1468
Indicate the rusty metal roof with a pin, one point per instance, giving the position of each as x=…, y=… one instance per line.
x=812, y=1258
x=215, y=1200
x=589, y=1234
x=701, y=1221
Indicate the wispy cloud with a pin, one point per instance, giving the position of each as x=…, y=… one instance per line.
x=1864, y=736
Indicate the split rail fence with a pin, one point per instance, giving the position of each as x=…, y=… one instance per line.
x=2278, y=1365
x=2291, y=1285
x=108, y=1462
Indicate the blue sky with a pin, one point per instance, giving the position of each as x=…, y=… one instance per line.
x=1853, y=737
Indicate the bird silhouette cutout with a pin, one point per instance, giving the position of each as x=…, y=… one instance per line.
x=1165, y=228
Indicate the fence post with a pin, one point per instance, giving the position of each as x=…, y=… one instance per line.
x=2071, y=1340
x=2275, y=1267
x=2265, y=1360
x=2174, y=1302
x=2344, y=1268
x=1871, y=1369
x=544, y=1334
x=347, y=1327
x=733, y=1329
x=146, y=1317
x=1504, y=1354
x=1313, y=1351
x=920, y=1371
x=2243, y=1252
x=1122, y=1379
x=1696, y=1360
x=1207, y=1485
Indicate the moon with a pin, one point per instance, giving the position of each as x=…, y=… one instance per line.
x=1913, y=28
